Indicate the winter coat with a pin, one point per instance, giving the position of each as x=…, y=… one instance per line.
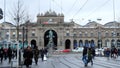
x=1, y=52
x=36, y=53
x=28, y=55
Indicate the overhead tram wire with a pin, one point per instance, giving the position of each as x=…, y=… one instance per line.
x=106, y=2
x=57, y=4
x=72, y=7
x=80, y=8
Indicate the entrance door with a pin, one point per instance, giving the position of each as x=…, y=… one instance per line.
x=50, y=39
x=33, y=44
x=67, y=44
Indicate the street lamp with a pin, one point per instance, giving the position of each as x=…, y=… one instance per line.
x=99, y=35
x=23, y=36
x=1, y=13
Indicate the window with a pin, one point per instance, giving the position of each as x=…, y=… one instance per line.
x=67, y=34
x=86, y=34
x=106, y=34
x=74, y=34
x=118, y=34
x=20, y=34
x=13, y=34
x=92, y=35
x=80, y=34
x=113, y=34
x=33, y=34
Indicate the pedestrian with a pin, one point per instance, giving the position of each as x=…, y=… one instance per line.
x=84, y=58
x=115, y=52
x=108, y=53
x=42, y=54
x=9, y=53
x=90, y=56
x=28, y=55
x=1, y=54
x=36, y=55
x=5, y=53
x=93, y=52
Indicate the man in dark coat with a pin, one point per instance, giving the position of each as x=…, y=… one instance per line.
x=42, y=53
x=1, y=54
x=28, y=55
x=9, y=53
x=36, y=55
x=84, y=58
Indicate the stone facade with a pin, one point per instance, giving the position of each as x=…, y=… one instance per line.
x=67, y=35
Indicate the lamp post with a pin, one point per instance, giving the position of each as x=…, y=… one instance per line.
x=1, y=13
x=99, y=35
x=23, y=36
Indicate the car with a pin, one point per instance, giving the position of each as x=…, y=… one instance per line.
x=66, y=50
x=63, y=50
x=78, y=49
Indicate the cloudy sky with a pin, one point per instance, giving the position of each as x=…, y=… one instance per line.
x=79, y=10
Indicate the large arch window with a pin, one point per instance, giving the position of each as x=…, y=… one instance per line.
x=118, y=43
x=92, y=44
x=80, y=34
x=80, y=43
x=113, y=43
x=86, y=43
x=67, y=44
x=75, y=44
x=107, y=43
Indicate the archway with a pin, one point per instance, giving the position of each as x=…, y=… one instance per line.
x=118, y=43
x=99, y=43
x=74, y=44
x=112, y=43
x=33, y=43
x=107, y=43
x=50, y=35
x=86, y=43
x=80, y=43
x=92, y=44
x=67, y=44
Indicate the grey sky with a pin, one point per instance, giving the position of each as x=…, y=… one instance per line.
x=79, y=10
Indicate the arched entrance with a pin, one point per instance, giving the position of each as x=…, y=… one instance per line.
x=74, y=44
x=50, y=39
x=80, y=43
x=86, y=43
x=99, y=43
x=118, y=43
x=33, y=43
x=107, y=43
x=67, y=44
x=112, y=43
x=92, y=44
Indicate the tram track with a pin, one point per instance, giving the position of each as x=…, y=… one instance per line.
x=102, y=64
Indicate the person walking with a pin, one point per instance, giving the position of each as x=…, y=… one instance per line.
x=36, y=55
x=1, y=54
x=84, y=58
x=93, y=52
x=9, y=53
x=90, y=56
x=42, y=54
x=107, y=53
x=28, y=55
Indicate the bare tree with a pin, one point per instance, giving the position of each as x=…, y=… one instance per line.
x=18, y=15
